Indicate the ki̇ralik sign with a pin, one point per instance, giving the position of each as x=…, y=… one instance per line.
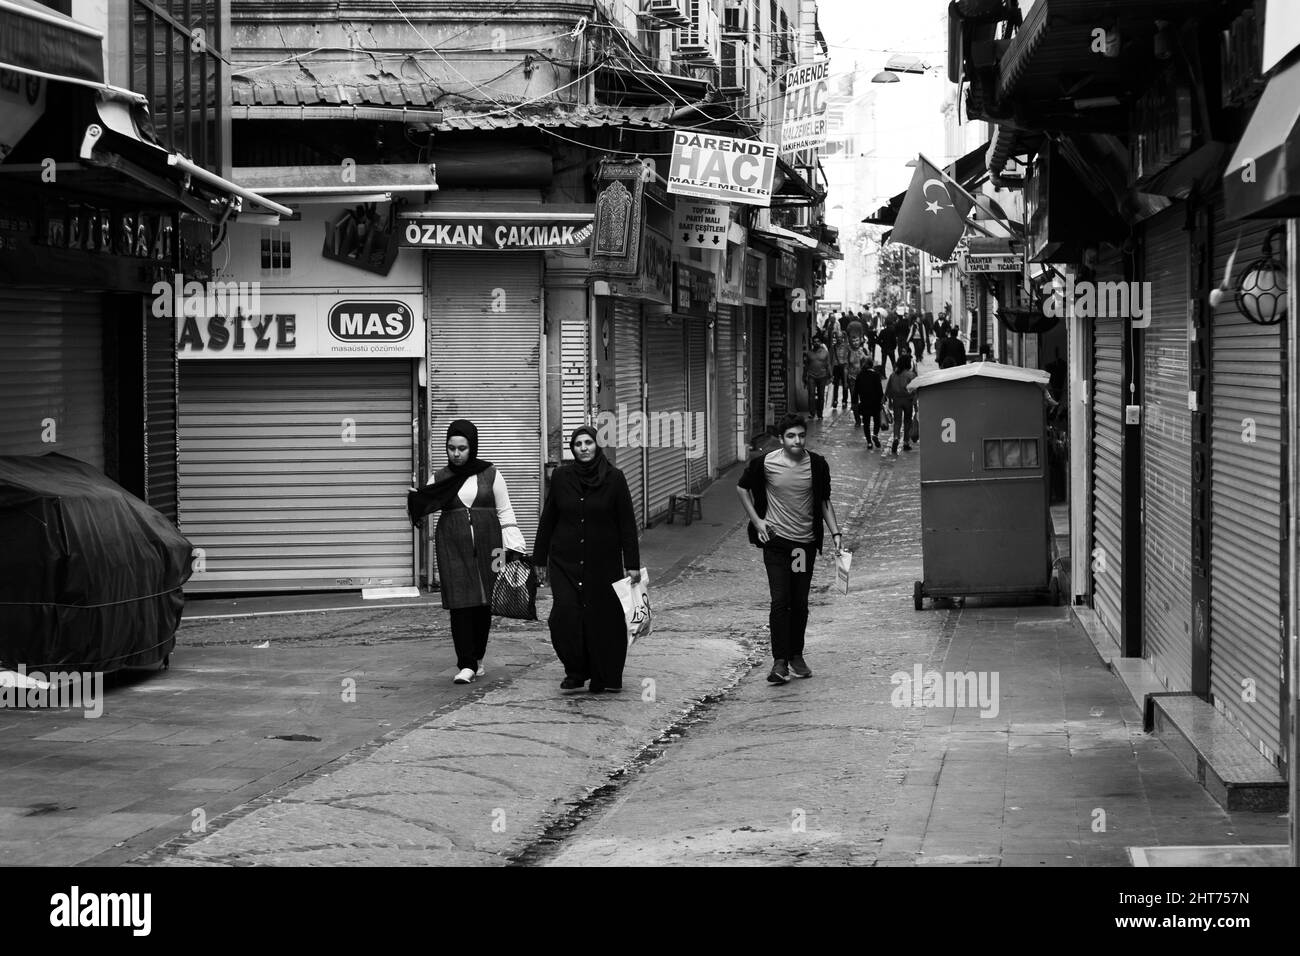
x=703, y=224
x=719, y=167
x=807, y=95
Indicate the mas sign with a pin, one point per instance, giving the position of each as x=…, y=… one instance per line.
x=722, y=168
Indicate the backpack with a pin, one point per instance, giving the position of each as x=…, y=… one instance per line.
x=896, y=389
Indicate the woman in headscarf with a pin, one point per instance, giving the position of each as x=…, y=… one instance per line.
x=586, y=538
x=475, y=525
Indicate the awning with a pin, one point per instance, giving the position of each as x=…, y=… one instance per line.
x=297, y=182
x=886, y=214
x=40, y=42
x=1262, y=181
x=776, y=234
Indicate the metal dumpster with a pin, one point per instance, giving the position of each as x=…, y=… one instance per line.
x=985, y=524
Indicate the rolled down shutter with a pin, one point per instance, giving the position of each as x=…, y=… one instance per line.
x=1247, y=449
x=575, y=374
x=1166, y=457
x=485, y=335
x=666, y=404
x=725, y=350
x=627, y=396
x=757, y=370
x=52, y=374
x=160, y=415
x=293, y=474
x=1107, y=472
x=697, y=423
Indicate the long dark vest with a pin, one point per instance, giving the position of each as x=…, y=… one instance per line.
x=466, y=541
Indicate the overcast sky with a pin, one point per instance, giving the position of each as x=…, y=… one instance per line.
x=865, y=33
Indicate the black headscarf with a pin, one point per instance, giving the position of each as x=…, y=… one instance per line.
x=443, y=491
x=591, y=474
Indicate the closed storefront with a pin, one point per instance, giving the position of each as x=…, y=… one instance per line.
x=293, y=474
x=629, y=458
x=1247, y=488
x=665, y=363
x=574, y=378
x=757, y=371
x=160, y=398
x=52, y=374
x=697, y=437
x=485, y=330
x=1108, y=390
x=1166, y=455
x=728, y=410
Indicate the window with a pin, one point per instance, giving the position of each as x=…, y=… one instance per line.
x=175, y=56
x=1001, y=454
x=275, y=250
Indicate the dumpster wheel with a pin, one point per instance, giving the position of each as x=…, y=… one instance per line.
x=918, y=593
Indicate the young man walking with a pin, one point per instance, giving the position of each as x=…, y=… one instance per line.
x=787, y=495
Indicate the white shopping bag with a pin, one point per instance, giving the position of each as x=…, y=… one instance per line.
x=843, y=561
x=635, y=599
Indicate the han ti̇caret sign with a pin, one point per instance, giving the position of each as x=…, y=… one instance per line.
x=807, y=96
x=722, y=168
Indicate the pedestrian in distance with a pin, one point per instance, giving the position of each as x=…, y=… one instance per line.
x=787, y=496
x=858, y=356
x=475, y=534
x=888, y=340
x=869, y=394
x=916, y=332
x=840, y=351
x=586, y=540
x=902, y=401
x=949, y=351
x=816, y=373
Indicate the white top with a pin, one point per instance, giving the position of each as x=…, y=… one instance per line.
x=512, y=539
x=1010, y=373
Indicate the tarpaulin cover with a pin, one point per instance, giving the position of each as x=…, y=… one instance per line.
x=90, y=575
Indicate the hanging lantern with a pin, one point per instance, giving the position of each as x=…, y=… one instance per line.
x=1261, y=287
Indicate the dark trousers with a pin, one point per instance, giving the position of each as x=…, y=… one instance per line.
x=886, y=356
x=788, y=618
x=871, y=423
x=903, y=420
x=469, y=632
x=839, y=383
x=918, y=348
x=817, y=393
x=853, y=399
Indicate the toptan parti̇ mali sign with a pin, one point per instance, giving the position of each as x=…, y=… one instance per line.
x=719, y=167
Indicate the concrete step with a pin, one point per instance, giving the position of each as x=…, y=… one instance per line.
x=1215, y=753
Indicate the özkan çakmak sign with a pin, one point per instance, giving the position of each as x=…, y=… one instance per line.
x=722, y=168
x=807, y=95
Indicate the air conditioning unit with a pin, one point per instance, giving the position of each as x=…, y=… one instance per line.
x=735, y=19
x=701, y=38
x=734, y=68
x=670, y=11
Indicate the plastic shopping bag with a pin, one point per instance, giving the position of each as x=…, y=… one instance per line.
x=843, y=561
x=635, y=599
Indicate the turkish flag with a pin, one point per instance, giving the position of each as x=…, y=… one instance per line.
x=933, y=215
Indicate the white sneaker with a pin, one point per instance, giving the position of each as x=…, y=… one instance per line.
x=480, y=672
x=463, y=676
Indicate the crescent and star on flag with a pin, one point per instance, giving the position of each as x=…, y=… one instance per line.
x=933, y=206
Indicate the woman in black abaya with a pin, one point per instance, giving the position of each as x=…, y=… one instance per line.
x=587, y=537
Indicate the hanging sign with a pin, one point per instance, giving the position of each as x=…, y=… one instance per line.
x=720, y=167
x=807, y=96
x=703, y=224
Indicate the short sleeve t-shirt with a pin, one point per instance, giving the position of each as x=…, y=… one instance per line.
x=789, y=496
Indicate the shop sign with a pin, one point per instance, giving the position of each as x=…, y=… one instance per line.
x=994, y=263
x=701, y=224
x=693, y=292
x=807, y=96
x=620, y=213
x=309, y=326
x=755, y=288
x=654, y=280
x=731, y=277
x=719, y=167
x=498, y=234
x=787, y=270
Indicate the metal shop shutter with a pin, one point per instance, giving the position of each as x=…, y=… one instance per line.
x=665, y=396
x=757, y=370
x=575, y=376
x=627, y=395
x=160, y=414
x=697, y=343
x=485, y=340
x=273, y=492
x=1246, y=545
x=52, y=368
x=1108, y=400
x=728, y=411
x=1166, y=457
